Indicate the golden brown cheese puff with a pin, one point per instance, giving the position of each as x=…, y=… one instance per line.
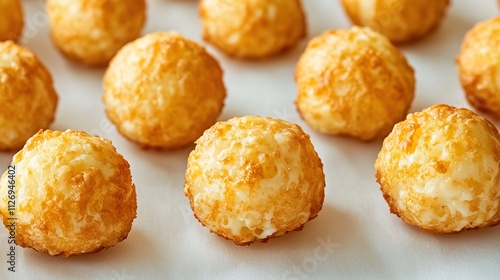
x=440, y=170
x=11, y=20
x=253, y=28
x=73, y=193
x=353, y=82
x=92, y=31
x=254, y=178
x=163, y=90
x=479, y=66
x=398, y=20
x=28, y=100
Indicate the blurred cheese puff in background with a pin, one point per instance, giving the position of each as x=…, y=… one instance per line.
x=252, y=29
x=479, y=66
x=91, y=32
x=399, y=20
x=11, y=20
x=28, y=100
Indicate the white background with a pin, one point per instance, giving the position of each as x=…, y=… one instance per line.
x=166, y=242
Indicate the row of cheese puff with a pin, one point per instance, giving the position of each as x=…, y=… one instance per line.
x=163, y=90
x=250, y=179
x=91, y=32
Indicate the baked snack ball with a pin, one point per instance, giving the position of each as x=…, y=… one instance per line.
x=353, y=82
x=440, y=170
x=253, y=29
x=92, y=31
x=253, y=178
x=73, y=191
x=163, y=90
x=28, y=100
x=11, y=20
x=398, y=20
x=479, y=66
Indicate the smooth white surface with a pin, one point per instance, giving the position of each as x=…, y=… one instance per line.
x=363, y=241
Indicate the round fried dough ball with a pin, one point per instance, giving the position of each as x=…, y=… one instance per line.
x=253, y=178
x=74, y=194
x=92, y=31
x=163, y=91
x=440, y=170
x=253, y=28
x=353, y=82
x=398, y=20
x=479, y=66
x=11, y=20
x=28, y=100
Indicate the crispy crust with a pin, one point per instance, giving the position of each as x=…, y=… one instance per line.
x=251, y=178
x=27, y=96
x=11, y=20
x=479, y=66
x=400, y=21
x=163, y=91
x=353, y=82
x=74, y=194
x=92, y=31
x=440, y=170
x=253, y=29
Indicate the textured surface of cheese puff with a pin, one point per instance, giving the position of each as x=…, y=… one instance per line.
x=254, y=178
x=74, y=194
x=163, y=91
x=353, y=82
x=28, y=101
x=440, y=170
